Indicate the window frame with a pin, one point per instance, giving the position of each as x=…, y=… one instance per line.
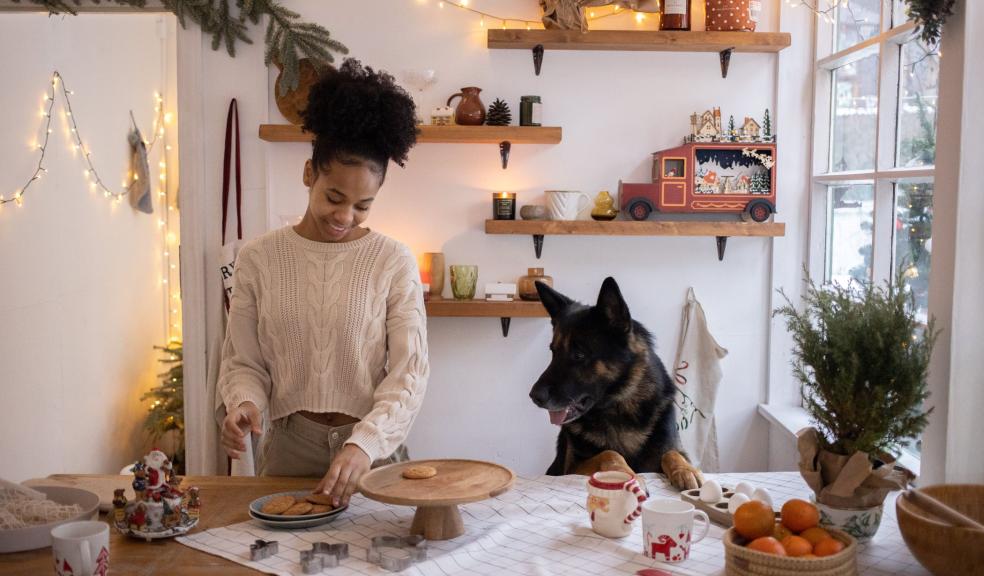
x=887, y=45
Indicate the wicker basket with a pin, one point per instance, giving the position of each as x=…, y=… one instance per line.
x=740, y=561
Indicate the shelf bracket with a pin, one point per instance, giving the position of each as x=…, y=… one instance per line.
x=725, y=60
x=537, y=58
x=722, y=243
x=505, y=326
x=504, y=147
x=538, y=245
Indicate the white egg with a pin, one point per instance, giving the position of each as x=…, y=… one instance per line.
x=745, y=488
x=762, y=495
x=736, y=500
x=711, y=491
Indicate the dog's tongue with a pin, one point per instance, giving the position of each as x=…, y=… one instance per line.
x=557, y=417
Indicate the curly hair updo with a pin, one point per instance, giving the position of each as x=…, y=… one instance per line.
x=357, y=114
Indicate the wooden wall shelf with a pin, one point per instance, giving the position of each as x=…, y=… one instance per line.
x=720, y=230
x=430, y=134
x=724, y=43
x=505, y=311
x=504, y=136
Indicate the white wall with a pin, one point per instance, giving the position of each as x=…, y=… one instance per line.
x=80, y=279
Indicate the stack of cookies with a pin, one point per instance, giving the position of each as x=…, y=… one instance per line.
x=287, y=505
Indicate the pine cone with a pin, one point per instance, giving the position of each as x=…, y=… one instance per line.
x=498, y=114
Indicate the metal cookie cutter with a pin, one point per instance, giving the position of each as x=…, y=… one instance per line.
x=394, y=554
x=322, y=555
x=263, y=549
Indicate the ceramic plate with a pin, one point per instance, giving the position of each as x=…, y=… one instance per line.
x=255, y=508
x=307, y=522
x=34, y=537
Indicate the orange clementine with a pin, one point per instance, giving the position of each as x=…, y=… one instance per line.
x=815, y=534
x=779, y=532
x=797, y=546
x=828, y=547
x=767, y=544
x=799, y=515
x=754, y=519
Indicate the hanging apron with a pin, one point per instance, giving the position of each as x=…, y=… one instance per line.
x=697, y=372
x=244, y=466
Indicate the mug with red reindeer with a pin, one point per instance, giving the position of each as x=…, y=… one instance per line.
x=614, y=502
x=667, y=529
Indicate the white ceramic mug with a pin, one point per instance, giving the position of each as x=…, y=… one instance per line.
x=81, y=548
x=667, y=528
x=566, y=204
x=614, y=502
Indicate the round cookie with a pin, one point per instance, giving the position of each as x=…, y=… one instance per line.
x=320, y=509
x=299, y=509
x=278, y=505
x=320, y=498
x=419, y=472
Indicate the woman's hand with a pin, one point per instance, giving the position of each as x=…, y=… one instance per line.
x=343, y=476
x=240, y=420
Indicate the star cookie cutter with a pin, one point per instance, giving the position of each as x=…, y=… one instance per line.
x=322, y=555
x=394, y=553
x=263, y=549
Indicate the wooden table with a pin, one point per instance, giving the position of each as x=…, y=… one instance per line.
x=225, y=500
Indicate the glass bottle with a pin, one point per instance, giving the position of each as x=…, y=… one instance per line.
x=526, y=287
x=676, y=15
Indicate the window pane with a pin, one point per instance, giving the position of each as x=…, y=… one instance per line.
x=855, y=115
x=857, y=21
x=913, y=235
x=918, y=90
x=849, y=225
x=899, y=16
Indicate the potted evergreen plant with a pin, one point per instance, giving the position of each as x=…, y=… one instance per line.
x=862, y=358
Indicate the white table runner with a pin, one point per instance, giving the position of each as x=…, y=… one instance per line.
x=540, y=527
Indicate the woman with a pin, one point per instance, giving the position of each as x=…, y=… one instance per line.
x=326, y=326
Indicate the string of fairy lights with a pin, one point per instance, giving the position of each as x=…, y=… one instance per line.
x=168, y=213
x=489, y=19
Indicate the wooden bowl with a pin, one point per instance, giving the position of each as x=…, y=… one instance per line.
x=941, y=548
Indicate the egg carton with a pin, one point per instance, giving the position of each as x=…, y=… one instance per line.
x=716, y=510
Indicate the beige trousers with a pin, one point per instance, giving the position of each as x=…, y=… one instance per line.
x=297, y=446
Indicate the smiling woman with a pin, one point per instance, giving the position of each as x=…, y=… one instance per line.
x=327, y=326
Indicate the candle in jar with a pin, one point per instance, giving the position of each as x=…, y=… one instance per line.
x=503, y=205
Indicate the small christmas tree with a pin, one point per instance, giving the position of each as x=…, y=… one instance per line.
x=499, y=114
x=766, y=127
x=731, y=128
x=167, y=408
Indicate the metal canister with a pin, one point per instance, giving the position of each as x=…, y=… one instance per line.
x=530, y=111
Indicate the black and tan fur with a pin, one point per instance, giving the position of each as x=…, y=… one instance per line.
x=616, y=391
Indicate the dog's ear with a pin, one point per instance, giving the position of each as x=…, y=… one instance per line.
x=612, y=306
x=553, y=301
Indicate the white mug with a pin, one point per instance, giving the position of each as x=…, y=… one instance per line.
x=667, y=526
x=614, y=502
x=81, y=548
x=565, y=204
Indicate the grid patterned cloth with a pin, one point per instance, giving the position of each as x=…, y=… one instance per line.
x=540, y=527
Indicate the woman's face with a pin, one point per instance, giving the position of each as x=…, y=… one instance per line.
x=339, y=199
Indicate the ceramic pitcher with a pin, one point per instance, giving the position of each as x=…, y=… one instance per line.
x=470, y=110
x=566, y=204
x=614, y=502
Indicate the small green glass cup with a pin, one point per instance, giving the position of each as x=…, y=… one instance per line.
x=464, y=278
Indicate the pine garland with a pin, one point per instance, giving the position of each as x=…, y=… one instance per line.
x=288, y=38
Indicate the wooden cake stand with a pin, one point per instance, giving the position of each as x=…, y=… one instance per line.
x=437, y=498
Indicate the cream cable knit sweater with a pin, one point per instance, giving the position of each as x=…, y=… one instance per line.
x=329, y=327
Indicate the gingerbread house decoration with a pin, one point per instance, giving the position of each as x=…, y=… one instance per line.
x=705, y=127
x=749, y=130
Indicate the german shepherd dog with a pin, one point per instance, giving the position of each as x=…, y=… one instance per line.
x=608, y=391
